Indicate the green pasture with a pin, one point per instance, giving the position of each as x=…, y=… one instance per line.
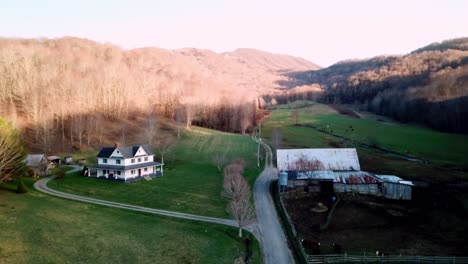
x=191, y=182
x=441, y=149
x=38, y=228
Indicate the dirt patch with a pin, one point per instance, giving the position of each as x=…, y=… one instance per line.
x=431, y=224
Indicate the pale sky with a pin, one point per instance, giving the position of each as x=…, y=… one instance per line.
x=323, y=32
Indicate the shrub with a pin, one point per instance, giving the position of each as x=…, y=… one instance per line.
x=21, y=186
x=60, y=174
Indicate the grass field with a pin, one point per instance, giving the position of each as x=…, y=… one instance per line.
x=440, y=148
x=191, y=182
x=37, y=228
x=432, y=223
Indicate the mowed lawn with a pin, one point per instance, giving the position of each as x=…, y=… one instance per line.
x=191, y=182
x=437, y=147
x=37, y=228
x=391, y=135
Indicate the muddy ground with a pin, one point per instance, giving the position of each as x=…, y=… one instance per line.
x=435, y=222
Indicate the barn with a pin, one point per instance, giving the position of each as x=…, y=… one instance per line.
x=336, y=169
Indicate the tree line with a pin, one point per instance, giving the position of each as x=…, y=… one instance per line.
x=61, y=92
x=428, y=86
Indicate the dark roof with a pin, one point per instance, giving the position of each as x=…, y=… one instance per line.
x=127, y=152
x=105, y=152
x=129, y=167
x=147, y=149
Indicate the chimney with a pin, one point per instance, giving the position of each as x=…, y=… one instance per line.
x=116, y=145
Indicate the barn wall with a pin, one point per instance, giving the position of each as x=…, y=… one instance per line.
x=396, y=191
x=358, y=188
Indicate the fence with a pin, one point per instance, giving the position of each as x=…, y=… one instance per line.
x=298, y=250
x=383, y=259
x=302, y=257
x=359, y=188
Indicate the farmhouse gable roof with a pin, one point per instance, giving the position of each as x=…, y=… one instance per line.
x=127, y=151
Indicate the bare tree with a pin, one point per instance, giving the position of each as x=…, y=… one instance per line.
x=242, y=211
x=150, y=127
x=190, y=111
x=164, y=144
x=98, y=118
x=219, y=160
x=245, y=123
x=123, y=134
x=190, y=105
x=179, y=117
x=78, y=127
x=236, y=188
x=295, y=116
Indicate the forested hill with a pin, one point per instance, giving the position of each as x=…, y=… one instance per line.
x=429, y=85
x=61, y=88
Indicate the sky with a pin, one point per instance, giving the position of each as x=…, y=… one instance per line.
x=323, y=32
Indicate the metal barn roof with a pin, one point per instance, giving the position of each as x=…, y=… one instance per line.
x=337, y=159
x=34, y=160
x=316, y=175
x=393, y=179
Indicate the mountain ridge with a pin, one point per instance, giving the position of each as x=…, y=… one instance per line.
x=428, y=85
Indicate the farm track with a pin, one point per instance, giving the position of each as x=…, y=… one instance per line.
x=41, y=185
x=267, y=229
x=273, y=240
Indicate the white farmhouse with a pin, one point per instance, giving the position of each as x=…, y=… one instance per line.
x=126, y=163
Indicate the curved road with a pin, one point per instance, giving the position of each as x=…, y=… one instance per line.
x=273, y=241
x=267, y=229
x=41, y=185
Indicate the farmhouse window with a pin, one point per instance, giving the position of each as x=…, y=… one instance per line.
x=117, y=161
x=133, y=160
x=139, y=159
x=146, y=169
x=104, y=160
x=146, y=158
x=133, y=171
x=118, y=172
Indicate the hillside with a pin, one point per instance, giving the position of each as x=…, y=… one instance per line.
x=63, y=88
x=428, y=86
x=271, y=62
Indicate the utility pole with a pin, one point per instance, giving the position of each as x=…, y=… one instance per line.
x=258, y=142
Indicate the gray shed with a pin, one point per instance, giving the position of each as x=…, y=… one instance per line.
x=395, y=188
x=38, y=163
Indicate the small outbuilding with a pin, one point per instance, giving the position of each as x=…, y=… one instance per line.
x=38, y=163
x=55, y=160
x=68, y=160
x=394, y=187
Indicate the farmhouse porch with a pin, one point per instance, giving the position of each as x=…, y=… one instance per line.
x=126, y=173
